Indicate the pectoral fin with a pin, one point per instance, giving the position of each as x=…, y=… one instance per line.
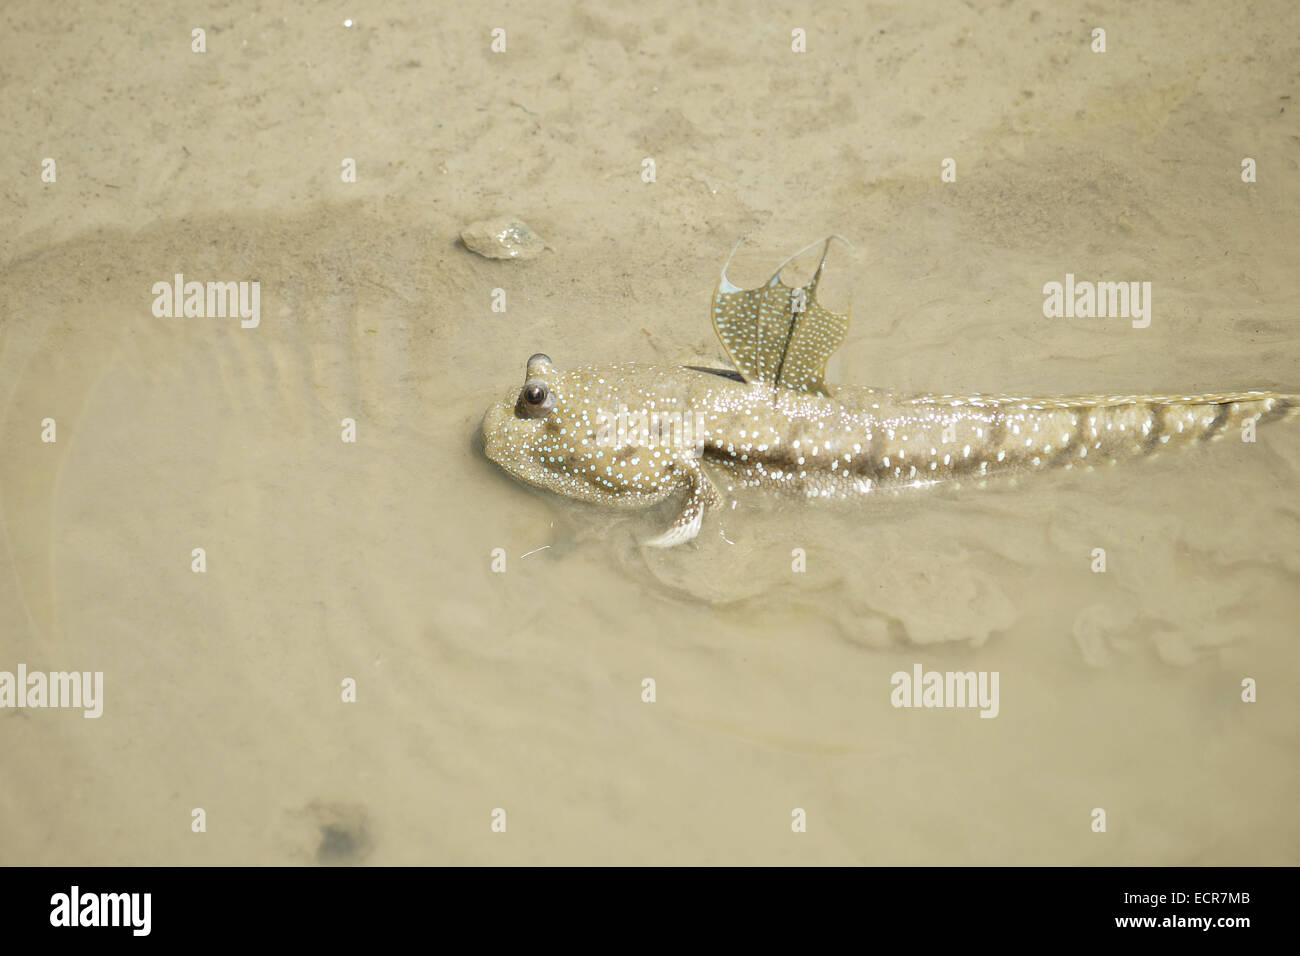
x=779, y=334
x=700, y=495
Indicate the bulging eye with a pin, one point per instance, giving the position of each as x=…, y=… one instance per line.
x=535, y=401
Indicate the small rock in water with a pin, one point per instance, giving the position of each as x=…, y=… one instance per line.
x=502, y=239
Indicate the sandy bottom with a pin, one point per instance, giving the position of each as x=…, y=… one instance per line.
x=372, y=561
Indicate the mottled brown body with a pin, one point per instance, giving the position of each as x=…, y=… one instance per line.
x=780, y=426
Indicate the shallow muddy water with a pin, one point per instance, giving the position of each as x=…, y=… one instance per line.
x=373, y=560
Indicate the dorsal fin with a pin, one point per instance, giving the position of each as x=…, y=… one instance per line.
x=779, y=334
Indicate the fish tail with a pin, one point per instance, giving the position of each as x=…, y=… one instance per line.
x=1149, y=424
x=984, y=435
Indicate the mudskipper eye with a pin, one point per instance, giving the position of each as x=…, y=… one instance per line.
x=535, y=401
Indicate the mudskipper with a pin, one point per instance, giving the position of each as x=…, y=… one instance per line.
x=630, y=435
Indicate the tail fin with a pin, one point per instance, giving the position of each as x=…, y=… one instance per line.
x=998, y=433
x=1146, y=424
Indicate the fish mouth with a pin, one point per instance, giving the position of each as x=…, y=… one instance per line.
x=504, y=437
x=490, y=434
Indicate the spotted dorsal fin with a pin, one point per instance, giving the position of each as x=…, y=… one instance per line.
x=779, y=334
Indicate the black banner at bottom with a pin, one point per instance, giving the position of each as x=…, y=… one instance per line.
x=333, y=905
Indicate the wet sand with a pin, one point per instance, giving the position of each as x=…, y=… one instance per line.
x=522, y=690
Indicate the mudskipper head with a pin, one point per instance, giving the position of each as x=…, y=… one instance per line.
x=577, y=433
